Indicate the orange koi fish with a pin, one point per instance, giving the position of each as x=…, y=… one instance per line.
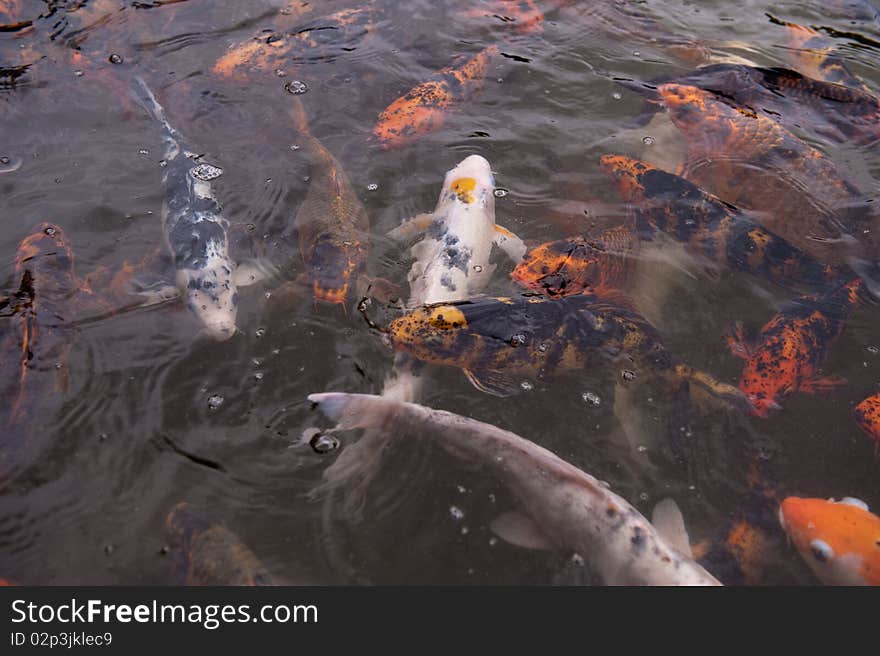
x=811, y=54
x=867, y=416
x=793, y=345
x=839, y=540
x=524, y=15
x=579, y=264
x=424, y=108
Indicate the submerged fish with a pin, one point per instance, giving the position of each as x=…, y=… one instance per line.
x=424, y=108
x=497, y=341
x=790, y=350
x=732, y=152
x=331, y=224
x=525, y=16
x=196, y=231
x=796, y=101
x=812, y=54
x=580, y=264
x=450, y=262
x=709, y=227
x=867, y=417
x=839, y=540
x=318, y=39
x=211, y=553
x=561, y=507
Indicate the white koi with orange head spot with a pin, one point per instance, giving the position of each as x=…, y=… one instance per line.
x=839, y=540
x=452, y=258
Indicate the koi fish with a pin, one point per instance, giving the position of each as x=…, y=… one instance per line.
x=793, y=345
x=839, y=540
x=450, y=262
x=731, y=153
x=320, y=39
x=561, y=507
x=331, y=224
x=867, y=417
x=196, y=232
x=827, y=109
x=524, y=15
x=494, y=340
x=709, y=227
x=812, y=54
x=579, y=264
x=211, y=553
x=424, y=108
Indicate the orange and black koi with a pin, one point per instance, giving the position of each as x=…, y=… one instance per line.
x=322, y=39
x=732, y=151
x=867, y=417
x=812, y=54
x=211, y=553
x=524, y=15
x=424, y=108
x=579, y=265
x=331, y=224
x=667, y=203
x=496, y=340
x=792, y=346
x=827, y=109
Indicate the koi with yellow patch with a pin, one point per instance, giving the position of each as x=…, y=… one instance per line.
x=331, y=224
x=732, y=152
x=664, y=202
x=839, y=540
x=425, y=107
x=211, y=553
x=792, y=346
x=498, y=341
x=323, y=38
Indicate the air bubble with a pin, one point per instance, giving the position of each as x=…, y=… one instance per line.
x=518, y=340
x=163, y=163
x=115, y=59
x=259, y=332
x=478, y=268
x=873, y=350
x=456, y=512
x=628, y=375
x=372, y=186
x=324, y=443
x=279, y=72
x=590, y=397
x=500, y=192
x=527, y=386
x=214, y=401
x=78, y=73
x=641, y=448
x=644, y=496
x=143, y=151
x=648, y=141
x=294, y=146
x=258, y=376
x=296, y=87
x=617, y=95
x=50, y=231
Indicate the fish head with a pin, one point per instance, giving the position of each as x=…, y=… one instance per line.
x=839, y=540
x=47, y=257
x=689, y=107
x=560, y=268
x=211, y=295
x=627, y=175
x=434, y=333
x=470, y=184
x=867, y=417
x=333, y=265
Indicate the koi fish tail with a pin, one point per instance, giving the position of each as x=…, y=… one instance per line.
x=144, y=97
x=300, y=118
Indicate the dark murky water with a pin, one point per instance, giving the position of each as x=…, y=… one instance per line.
x=135, y=432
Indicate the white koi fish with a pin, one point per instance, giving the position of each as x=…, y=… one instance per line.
x=561, y=507
x=451, y=263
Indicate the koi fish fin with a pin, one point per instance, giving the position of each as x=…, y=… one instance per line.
x=822, y=385
x=249, y=272
x=705, y=390
x=411, y=228
x=152, y=287
x=508, y=242
x=668, y=521
x=520, y=530
x=740, y=345
x=381, y=289
x=492, y=383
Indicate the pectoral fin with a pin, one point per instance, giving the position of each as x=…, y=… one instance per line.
x=520, y=530
x=411, y=228
x=668, y=521
x=508, y=242
x=492, y=383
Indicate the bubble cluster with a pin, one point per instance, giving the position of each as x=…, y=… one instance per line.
x=206, y=172
x=296, y=87
x=214, y=401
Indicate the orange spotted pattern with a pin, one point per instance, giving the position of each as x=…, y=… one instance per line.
x=425, y=107
x=867, y=417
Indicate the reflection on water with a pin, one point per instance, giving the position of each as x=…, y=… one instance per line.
x=154, y=413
